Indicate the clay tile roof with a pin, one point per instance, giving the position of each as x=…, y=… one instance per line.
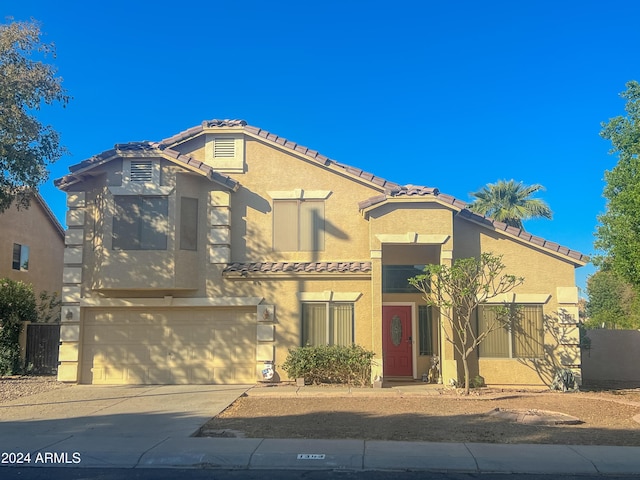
x=224, y=123
x=297, y=267
x=464, y=212
x=391, y=190
x=300, y=149
x=145, y=149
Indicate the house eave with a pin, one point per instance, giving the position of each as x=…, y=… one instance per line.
x=365, y=212
x=577, y=262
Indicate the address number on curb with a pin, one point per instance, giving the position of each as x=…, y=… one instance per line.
x=311, y=456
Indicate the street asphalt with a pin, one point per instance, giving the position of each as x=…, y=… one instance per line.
x=153, y=426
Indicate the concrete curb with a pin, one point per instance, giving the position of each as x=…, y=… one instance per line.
x=348, y=455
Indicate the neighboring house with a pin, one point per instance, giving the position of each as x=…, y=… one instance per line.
x=32, y=246
x=205, y=257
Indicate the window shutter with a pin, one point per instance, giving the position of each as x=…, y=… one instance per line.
x=224, y=148
x=141, y=171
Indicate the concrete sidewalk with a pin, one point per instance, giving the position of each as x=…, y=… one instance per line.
x=151, y=426
x=256, y=453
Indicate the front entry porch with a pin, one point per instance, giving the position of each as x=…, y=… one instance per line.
x=407, y=333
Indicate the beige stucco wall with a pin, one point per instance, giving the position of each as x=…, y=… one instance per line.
x=272, y=169
x=34, y=228
x=544, y=274
x=109, y=274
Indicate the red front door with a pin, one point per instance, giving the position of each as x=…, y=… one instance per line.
x=397, y=351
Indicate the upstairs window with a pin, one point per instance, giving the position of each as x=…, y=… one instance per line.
x=188, y=223
x=20, y=257
x=298, y=225
x=140, y=223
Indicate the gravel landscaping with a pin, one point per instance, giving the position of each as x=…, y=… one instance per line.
x=598, y=418
x=14, y=387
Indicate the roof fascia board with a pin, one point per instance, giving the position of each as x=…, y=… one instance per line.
x=207, y=131
x=52, y=218
x=76, y=175
x=422, y=199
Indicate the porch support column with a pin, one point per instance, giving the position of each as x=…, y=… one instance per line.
x=376, y=313
x=448, y=362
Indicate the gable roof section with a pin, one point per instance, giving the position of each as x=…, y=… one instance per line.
x=412, y=191
x=143, y=149
x=281, y=142
x=52, y=218
x=390, y=191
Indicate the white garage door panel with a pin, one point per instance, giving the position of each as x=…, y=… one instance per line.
x=177, y=346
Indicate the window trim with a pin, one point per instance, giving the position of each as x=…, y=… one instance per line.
x=22, y=257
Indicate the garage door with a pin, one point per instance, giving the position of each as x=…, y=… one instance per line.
x=169, y=346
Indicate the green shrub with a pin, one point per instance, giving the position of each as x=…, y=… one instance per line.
x=17, y=304
x=330, y=364
x=477, y=382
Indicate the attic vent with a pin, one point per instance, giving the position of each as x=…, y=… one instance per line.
x=141, y=171
x=224, y=148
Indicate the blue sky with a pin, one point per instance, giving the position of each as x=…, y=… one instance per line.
x=452, y=95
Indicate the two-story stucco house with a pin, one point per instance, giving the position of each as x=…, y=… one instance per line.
x=32, y=246
x=203, y=257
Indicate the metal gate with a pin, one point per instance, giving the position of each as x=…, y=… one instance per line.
x=43, y=340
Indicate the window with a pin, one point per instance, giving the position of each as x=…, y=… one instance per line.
x=395, y=278
x=521, y=336
x=425, y=330
x=327, y=324
x=140, y=223
x=188, y=223
x=298, y=225
x=20, y=257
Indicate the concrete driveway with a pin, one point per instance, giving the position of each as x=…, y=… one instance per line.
x=142, y=415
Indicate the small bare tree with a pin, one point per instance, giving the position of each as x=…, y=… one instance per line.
x=458, y=290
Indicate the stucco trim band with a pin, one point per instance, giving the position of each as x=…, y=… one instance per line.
x=300, y=194
x=175, y=302
x=328, y=296
x=533, y=298
x=413, y=237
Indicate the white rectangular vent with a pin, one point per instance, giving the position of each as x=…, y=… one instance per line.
x=141, y=171
x=224, y=148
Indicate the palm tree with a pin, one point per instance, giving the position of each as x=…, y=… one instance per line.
x=509, y=202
